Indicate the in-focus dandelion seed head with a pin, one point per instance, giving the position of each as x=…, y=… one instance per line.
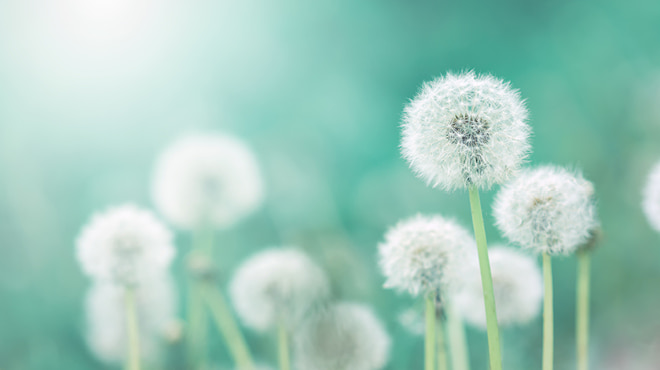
x=421, y=254
x=124, y=245
x=465, y=129
x=547, y=209
x=651, y=198
x=277, y=284
x=207, y=179
x=346, y=336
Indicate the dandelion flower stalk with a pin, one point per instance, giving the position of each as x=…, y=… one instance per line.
x=582, y=310
x=197, y=316
x=548, y=316
x=283, y=346
x=458, y=348
x=133, y=359
x=429, y=339
x=442, y=345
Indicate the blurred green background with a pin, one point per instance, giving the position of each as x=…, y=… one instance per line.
x=92, y=90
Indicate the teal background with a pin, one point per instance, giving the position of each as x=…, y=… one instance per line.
x=90, y=93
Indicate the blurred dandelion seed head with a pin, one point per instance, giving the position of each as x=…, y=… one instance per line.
x=547, y=209
x=124, y=245
x=465, y=129
x=346, y=336
x=651, y=198
x=277, y=284
x=421, y=254
x=209, y=179
x=518, y=286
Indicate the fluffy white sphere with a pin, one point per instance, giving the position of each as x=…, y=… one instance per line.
x=346, y=336
x=106, y=319
x=651, y=201
x=277, y=284
x=213, y=179
x=465, y=129
x=518, y=286
x=547, y=209
x=422, y=253
x=124, y=245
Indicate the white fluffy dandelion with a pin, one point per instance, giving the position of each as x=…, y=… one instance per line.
x=518, y=285
x=421, y=254
x=209, y=179
x=547, y=209
x=465, y=129
x=346, y=336
x=107, y=337
x=651, y=202
x=277, y=285
x=124, y=245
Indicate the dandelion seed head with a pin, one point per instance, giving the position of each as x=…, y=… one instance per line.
x=277, y=284
x=547, y=209
x=421, y=254
x=651, y=198
x=207, y=179
x=346, y=336
x=125, y=244
x=465, y=129
x=517, y=283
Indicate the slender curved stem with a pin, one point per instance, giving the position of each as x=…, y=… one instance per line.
x=548, y=328
x=582, y=324
x=486, y=281
x=197, y=333
x=133, y=358
x=458, y=348
x=442, y=346
x=283, y=346
x=429, y=340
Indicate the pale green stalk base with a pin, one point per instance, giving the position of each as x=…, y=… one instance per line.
x=197, y=333
x=582, y=309
x=283, y=347
x=429, y=340
x=133, y=358
x=442, y=346
x=458, y=349
x=227, y=327
x=548, y=328
x=486, y=281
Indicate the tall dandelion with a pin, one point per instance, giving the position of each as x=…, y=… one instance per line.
x=346, y=336
x=468, y=131
x=125, y=246
x=421, y=255
x=551, y=211
x=276, y=289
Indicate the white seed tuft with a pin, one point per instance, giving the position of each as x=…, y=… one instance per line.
x=651, y=202
x=547, y=209
x=277, y=284
x=421, y=254
x=465, y=129
x=346, y=336
x=213, y=179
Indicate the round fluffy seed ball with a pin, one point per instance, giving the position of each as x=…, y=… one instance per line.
x=277, y=284
x=547, y=209
x=207, y=179
x=465, y=129
x=518, y=286
x=124, y=245
x=346, y=336
x=422, y=253
x=651, y=202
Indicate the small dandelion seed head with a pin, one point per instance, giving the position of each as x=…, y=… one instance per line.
x=124, y=245
x=345, y=336
x=277, y=284
x=547, y=209
x=421, y=254
x=207, y=179
x=465, y=129
x=651, y=198
x=517, y=283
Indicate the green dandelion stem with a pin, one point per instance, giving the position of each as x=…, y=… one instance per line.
x=458, y=348
x=582, y=309
x=548, y=334
x=429, y=340
x=486, y=281
x=133, y=359
x=283, y=346
x=197, y=332
x=442, y=345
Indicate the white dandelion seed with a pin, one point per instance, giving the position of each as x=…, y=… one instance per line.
x=518, y=286
x=277, y=285
x=421, y=254
x=209, y=179
x=651, y=202
x=346, y=336
x=124, y=245
x=547, y=209
x=106, y=319
x=465, y=129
